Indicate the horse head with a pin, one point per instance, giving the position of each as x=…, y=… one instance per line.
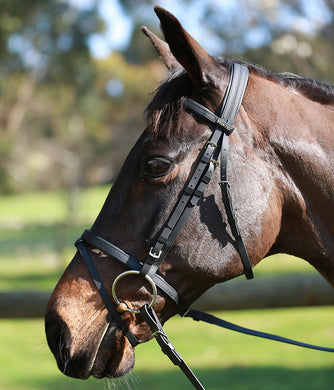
x=84, y=340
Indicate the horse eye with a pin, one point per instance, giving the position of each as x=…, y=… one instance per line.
x=156, y=167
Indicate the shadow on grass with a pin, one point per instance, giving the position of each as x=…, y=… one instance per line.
x=236, y=378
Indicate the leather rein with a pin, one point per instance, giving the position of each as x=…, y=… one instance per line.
x=190, y=196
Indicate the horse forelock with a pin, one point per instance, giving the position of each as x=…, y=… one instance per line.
x=164, y=112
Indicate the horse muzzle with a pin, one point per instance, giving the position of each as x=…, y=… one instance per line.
x=108, y=353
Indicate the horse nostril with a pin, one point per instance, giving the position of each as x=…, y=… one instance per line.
x=59, y=340
x=57, y=336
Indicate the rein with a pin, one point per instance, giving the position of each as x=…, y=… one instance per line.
x=192, y=193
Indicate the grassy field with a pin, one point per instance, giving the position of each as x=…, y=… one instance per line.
x=36, y=242
x=37, y=235
x=221, y=359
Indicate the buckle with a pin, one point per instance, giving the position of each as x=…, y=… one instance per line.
x=210, y=143
x=214, y=162
x=154, y=255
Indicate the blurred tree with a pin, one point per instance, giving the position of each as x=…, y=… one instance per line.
x=283, y=35
x=302, y=47
x=66, y=119
x=138, y=50
x=48, y=38
x=47, y=73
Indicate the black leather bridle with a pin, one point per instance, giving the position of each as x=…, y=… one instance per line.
x=190, y=196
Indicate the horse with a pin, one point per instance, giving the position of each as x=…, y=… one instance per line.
x=281, y=159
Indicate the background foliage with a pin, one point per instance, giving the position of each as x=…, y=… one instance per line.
x=67, y=118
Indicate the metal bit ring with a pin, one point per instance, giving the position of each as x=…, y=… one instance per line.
x=134, y=272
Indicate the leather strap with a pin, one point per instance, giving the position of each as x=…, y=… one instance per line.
x=203, y=173
x=130, y=262
x=189, y=198
x=114, y=315
x=234, y=93
x=199, y=315
x=166, y=346
x=207, y=115
x=230, y=213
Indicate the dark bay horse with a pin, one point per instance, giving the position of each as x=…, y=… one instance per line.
x=281, y=171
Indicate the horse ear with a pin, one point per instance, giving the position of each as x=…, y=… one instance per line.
x=163, y=50
x=202, y=68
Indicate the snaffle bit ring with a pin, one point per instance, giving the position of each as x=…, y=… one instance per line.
x=118, y=302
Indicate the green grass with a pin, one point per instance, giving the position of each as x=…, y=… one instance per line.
x=17, y=211
x=36, y=239
x=36, y=242
x=282, y=264
x=37, y=236
x=221, y=359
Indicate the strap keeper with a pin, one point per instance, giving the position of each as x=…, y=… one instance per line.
x=224, y=182
x=164, y=235
x=189, y=189
x=194, y=200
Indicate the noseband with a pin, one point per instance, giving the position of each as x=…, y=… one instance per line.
x=190, y=196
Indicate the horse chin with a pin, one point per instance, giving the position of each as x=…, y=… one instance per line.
x=115, y=356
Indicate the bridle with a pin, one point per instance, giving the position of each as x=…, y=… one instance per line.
x=189, y=198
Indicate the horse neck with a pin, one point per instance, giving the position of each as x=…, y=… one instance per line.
x=301, y=138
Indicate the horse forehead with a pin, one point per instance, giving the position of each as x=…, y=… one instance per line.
x=181, y=133
x=171, y=144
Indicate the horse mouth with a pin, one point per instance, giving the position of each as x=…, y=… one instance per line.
x=111, y=356
x=115, y=355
